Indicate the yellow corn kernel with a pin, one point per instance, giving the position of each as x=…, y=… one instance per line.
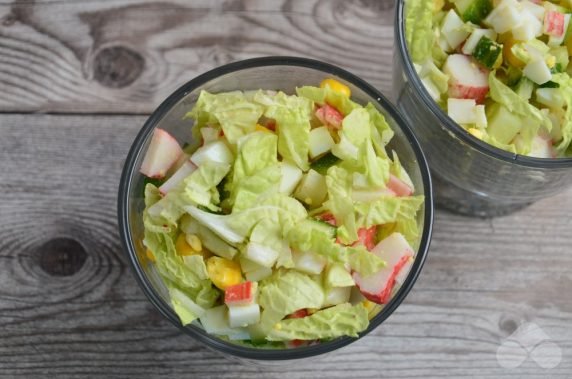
x=278, y=326
x=182, y=247
x=476, y=133
x=223, y=272
x=508, y=55
x=260, y=128
x=149, y=255
x=368, y=305
x=568, y=44
x=336, y=86
x=438, y=5
x=194, y=242
x=550, y=61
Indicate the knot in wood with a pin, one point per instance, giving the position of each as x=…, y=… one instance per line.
x=61, y=257
x=117, y=66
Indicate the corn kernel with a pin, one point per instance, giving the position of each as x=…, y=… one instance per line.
x=438, y=5
x=550, y=61
x=368, y=305
x=476, y=133
x=223, y=272
x=194, y=242
x=278, y=326
x=336, y=86
x=260, y=128
x=150, y=256
x=509, y=56
x=182, y=247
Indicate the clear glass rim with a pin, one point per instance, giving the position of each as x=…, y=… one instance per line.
x=212, y=341
x=457, y=130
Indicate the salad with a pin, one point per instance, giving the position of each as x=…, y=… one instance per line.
x=288, y=224
x=499, y=68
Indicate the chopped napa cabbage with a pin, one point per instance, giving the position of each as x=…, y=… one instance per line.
x=236, y=114
x=286, y=292
x=340, y=320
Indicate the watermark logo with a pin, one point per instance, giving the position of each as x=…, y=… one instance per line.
x=529, y=341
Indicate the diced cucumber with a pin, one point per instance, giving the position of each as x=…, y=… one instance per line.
x=475, y=37
x=474, y=11
x=503, y=124
x=487, y=52
x=549, y=84
x=322, y=164
x=323, y=226
x=557, y=68
x=524, y=88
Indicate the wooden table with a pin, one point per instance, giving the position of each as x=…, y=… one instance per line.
x=77, y=79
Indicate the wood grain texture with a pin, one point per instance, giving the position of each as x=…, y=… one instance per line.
x=59, y=178
x=120, y=56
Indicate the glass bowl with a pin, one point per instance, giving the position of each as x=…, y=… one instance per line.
x=284, y=73
x=471, y=177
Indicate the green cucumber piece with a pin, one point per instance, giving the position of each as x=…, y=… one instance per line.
x=474, y=11
x=549, y=84
x=322, y=164
x=487, y=52
x=557, y=68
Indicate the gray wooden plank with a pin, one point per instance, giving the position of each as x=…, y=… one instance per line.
x=59, y=179
x=121, y=56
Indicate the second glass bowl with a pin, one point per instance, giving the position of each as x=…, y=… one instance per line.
x=471, y=177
